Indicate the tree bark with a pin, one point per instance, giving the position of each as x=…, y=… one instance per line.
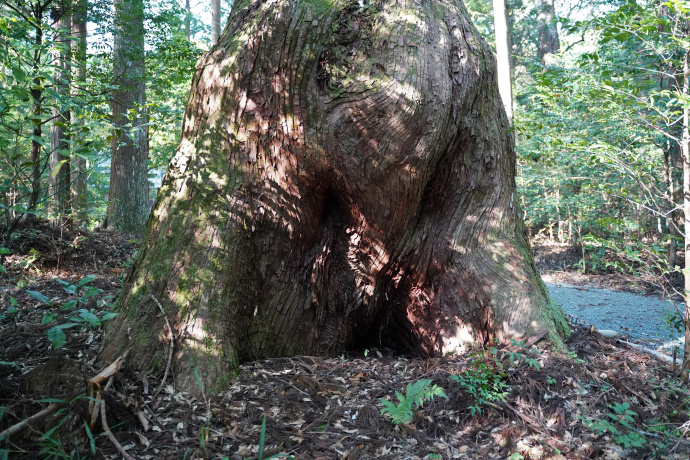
x=79, y=166
x=128, y=197
x=503, y=45
x=59, y=179
x=345, y=178
x=215, y=21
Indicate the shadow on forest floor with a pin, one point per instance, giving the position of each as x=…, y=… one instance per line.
x=599, y=400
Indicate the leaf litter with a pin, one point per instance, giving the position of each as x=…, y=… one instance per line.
x=573, y=407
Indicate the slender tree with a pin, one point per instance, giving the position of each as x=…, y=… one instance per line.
x=79, y=165
x=505, y=79
x=548, y=42
x=215, y=21
x=346, y=177
x=128, y=198
x=685, y=148
x=59, y=139
x=188, y=20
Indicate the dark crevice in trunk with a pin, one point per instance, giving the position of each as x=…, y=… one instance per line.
x=390, y=329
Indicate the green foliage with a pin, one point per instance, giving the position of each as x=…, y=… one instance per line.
x=414, y=397
x=620, y=425
x=82, y=292
x=483, y=378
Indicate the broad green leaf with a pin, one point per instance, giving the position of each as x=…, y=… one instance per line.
x=56, y=337
x=91, y=291
x=70, y=304
x=85, y=280
x=48, y=317
x=108, y=315
x=90, y=317
x=56, y=168
x=40, y=297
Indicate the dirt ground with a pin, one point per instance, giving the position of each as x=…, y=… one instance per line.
x=593, y=399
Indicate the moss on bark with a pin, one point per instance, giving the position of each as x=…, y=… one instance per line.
x=345, y=176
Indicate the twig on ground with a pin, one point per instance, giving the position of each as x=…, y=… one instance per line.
x=685, y=426
x=18, y=427
x=172, y=345
x=109, y=433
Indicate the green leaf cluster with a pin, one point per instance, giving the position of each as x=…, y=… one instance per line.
x=415, y=395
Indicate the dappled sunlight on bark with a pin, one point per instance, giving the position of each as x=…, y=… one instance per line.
x=345, y=177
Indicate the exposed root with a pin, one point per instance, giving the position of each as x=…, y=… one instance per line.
x=172, y=345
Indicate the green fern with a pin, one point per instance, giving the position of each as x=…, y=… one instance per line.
x=414, y=397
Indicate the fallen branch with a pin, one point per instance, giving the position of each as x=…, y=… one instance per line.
x=172, y=343
x=94, y=387
x=647, y=350
x=18, y=427
x=110, y=434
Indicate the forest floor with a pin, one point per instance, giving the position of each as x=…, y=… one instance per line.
x=598, y=398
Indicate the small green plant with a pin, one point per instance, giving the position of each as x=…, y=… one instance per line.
x=414, y=397
x=83, y=317
x=516, y=357
x=262, y=443
x=484, y=378
x=11, y=312
x=3, y=252
x=622, y=417
x=31, y=259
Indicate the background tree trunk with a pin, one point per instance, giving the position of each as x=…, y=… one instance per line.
x=79, y=166
x=37, y=111
x=188, y=20
x=215, y=21
x=503, y=45
x=548, y=29
x=129, y=191
x=685, y=148
x=345, y=178
x=59, y=128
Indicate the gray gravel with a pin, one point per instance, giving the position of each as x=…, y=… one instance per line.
x=638, y=317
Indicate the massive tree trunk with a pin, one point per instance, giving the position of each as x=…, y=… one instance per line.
x=128, y=205
x=345, y=178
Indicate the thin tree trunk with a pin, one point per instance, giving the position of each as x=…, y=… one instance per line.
x=685, y=148
x=548, y=42
x=37, y=113
x=59, y=129
x=346, y=177
x=188, y=20
x=79, y=166
x=215, y=21
x=128, y=196
x=505, y=79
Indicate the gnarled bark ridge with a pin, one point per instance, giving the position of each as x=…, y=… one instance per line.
x=345, y=177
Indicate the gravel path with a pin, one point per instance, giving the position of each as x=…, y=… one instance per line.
x=638, y=317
